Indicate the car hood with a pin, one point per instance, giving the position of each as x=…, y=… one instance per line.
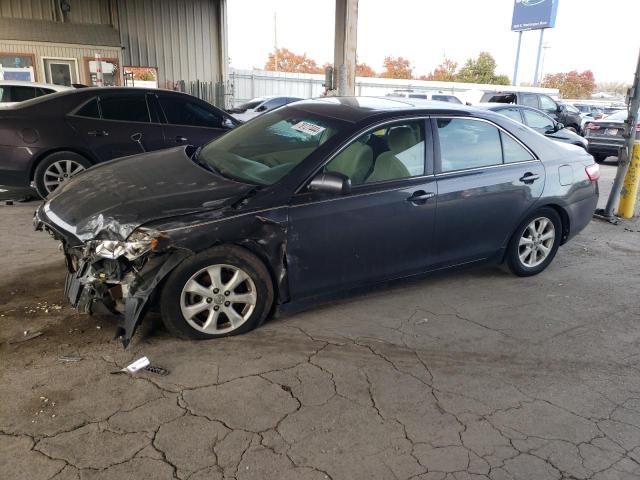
x=113, y=199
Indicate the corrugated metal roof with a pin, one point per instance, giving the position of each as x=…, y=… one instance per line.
x=56, y=32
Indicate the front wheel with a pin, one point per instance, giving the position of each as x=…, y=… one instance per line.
x=222, y=291
x=535, y=243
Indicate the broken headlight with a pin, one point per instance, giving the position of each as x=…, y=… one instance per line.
x=139, y=242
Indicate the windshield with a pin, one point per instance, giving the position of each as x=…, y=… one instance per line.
x=265, y=149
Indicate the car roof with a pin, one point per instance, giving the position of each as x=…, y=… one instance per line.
x=25, y=83
x=354, y=109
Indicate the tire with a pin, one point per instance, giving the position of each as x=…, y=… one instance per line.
x=599, y=157
x=57, y=168
x=573, y=128
x=518, y=262
x=190, y=278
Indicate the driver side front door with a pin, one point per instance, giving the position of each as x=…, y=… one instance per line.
x=381, y=230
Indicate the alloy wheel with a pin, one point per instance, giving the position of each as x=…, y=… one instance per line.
x=218, y=299
x=60, y=172
x=536, y=242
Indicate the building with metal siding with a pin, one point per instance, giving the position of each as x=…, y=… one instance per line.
x=57, y=40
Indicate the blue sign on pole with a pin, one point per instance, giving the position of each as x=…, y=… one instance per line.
x=534, y=14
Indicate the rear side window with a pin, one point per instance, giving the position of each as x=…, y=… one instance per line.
x=529, y=100
x=126, y=108
x=180, y=111
x=446, y=98
x=466, y=143
x=513, y=151
x=512, y=113
x=537, y=120
x=4, y=94
x=547, y=104
x=44, y=91
x=20, y=94
x=89, y=110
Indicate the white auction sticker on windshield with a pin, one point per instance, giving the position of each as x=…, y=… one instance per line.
x=308, y=128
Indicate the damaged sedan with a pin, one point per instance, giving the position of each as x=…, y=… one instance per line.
x=309, y=202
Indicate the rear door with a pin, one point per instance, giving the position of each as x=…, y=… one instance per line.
x=190, y=121
x=117, y=125
x=487, y=180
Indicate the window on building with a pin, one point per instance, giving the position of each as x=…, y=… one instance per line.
x=18, y=66
x=110, y=71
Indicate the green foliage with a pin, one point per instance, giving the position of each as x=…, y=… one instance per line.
x=481, y=70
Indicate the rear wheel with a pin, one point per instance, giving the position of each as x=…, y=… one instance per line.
x=599, y=157
x=535, y=243
x=223, y=291
x=56, y=169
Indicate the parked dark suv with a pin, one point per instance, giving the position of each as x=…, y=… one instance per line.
x=539, y=101
x=50, y=139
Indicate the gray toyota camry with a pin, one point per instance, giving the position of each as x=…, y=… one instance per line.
x=309, y=202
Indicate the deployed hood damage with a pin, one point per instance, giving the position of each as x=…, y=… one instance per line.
x=122, y=234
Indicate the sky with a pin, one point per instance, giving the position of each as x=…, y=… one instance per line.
x=589, y=34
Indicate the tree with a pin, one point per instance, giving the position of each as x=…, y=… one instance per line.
x=571, y=84
x=481, y=70
x=287, y=61
x=445, y=72
x=364, y=70
x=396, y=67
x=619, y=88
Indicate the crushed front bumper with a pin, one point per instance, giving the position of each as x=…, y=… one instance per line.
x=96, y=285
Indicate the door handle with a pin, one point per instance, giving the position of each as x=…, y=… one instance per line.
x=529, y=177
x=137, y=138
x=98, y=133
x=181, y=139
x=420, y=197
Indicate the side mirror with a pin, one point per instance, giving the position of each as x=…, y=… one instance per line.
x=330, y=182
x=560, y=108
x=559, y=126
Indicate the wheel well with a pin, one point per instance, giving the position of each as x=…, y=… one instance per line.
x=44, y=155
x=564, y=218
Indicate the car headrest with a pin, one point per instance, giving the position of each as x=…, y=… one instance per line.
x=400, y=139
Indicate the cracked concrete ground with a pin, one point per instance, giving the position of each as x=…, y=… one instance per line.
x=472, y=375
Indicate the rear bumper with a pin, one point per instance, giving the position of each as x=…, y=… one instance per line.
x=581, y=212
x=15, y=165
x=606, y=146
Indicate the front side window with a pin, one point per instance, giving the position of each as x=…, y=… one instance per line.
x=547, y=104
x=538, y=121
x=529, y=100
x=391, y=153
x=183, y=112
x=126, y=108
x=466, y=143
x=268, y=147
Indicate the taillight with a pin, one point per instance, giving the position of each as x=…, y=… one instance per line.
x=593, y=172
x=593, y=126
x=638, y=127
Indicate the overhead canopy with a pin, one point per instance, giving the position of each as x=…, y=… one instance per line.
x=58, y=32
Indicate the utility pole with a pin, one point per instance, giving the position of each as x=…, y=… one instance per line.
x=515, y=70
x=633, y=103
x=275, y=39
x=535, y=75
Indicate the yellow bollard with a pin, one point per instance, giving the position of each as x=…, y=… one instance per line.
x=629, y=191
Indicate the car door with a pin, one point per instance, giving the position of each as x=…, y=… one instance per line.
x=190, y=121
x=487, y=180
x=381, y=230
x=117, y=124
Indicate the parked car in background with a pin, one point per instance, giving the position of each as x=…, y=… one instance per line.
x=539, y=121
x=16, y=91
x=310, y=201
x=423, y=95
x=605, y=135
x=539, y=101
x=51, y=138
x=593, y=111
x=258, y=106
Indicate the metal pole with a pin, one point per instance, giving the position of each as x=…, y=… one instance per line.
x=535, y=75
x=515, y=70
x=630, y=136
